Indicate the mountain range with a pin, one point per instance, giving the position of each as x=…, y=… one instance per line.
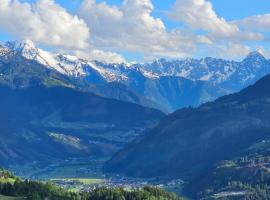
x=163, y=84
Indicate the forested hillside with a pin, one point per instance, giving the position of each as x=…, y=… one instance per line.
x=211, y=146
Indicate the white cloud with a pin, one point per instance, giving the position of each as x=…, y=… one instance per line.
x=256, y=23
x=103, y=56
x=238, y=50
x=131, y=27
x=200, y=15
x=231, y=50
x=43, y=22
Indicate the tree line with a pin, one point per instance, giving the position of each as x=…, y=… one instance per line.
x=36, y=190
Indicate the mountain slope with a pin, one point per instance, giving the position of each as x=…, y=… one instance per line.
x=170, y=83
x=178, y=92
x=18, y=72
x=119, y=91
x=41, y=123
x=192, y=140
x=172, y=92
x=248, y=172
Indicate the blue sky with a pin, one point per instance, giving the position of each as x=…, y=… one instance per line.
x=229, y=9
x=140, y=29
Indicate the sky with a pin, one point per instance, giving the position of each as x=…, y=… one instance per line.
x=140, y=30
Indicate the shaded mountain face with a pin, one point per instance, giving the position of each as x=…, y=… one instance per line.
x=191, y=141
x=116, y=90
x=46, y=115
x=41, y=123
x=248, y=171
x=162, y=82
x=177, y=92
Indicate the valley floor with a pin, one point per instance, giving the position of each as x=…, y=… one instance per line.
x=10, y=198
x=85, y=174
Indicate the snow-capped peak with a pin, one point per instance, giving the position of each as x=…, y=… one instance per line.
x=208, y=69
x=3, y=50
x=20, y=45
x=65, y=64
x=26, y=48
x=255, y=55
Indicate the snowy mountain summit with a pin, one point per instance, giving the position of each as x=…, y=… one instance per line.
x=166, y=82
x=216, y=71
x=26, y=48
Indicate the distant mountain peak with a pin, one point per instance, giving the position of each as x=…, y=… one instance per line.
x=3, y=50
x=20, y=45
x=26, y=48
x=255, y=55
x=160, y=60
x=2, y=47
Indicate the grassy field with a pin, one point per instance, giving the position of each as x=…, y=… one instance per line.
x=7, y=180
x=74, y=176
x=76, y=184
x=11, y=198
x=69, y=171
x=85, y=181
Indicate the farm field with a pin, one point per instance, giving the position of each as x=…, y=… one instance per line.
x=11, y=198
x=86, y=181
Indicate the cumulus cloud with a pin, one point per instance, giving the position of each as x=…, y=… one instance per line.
x=46, y=22
x=256, y=23
x=231, y=50
x=131, y=27
x=106, y=56
x=199, y=14
x=103, y=56
x=43, y=22
x=238, y=51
